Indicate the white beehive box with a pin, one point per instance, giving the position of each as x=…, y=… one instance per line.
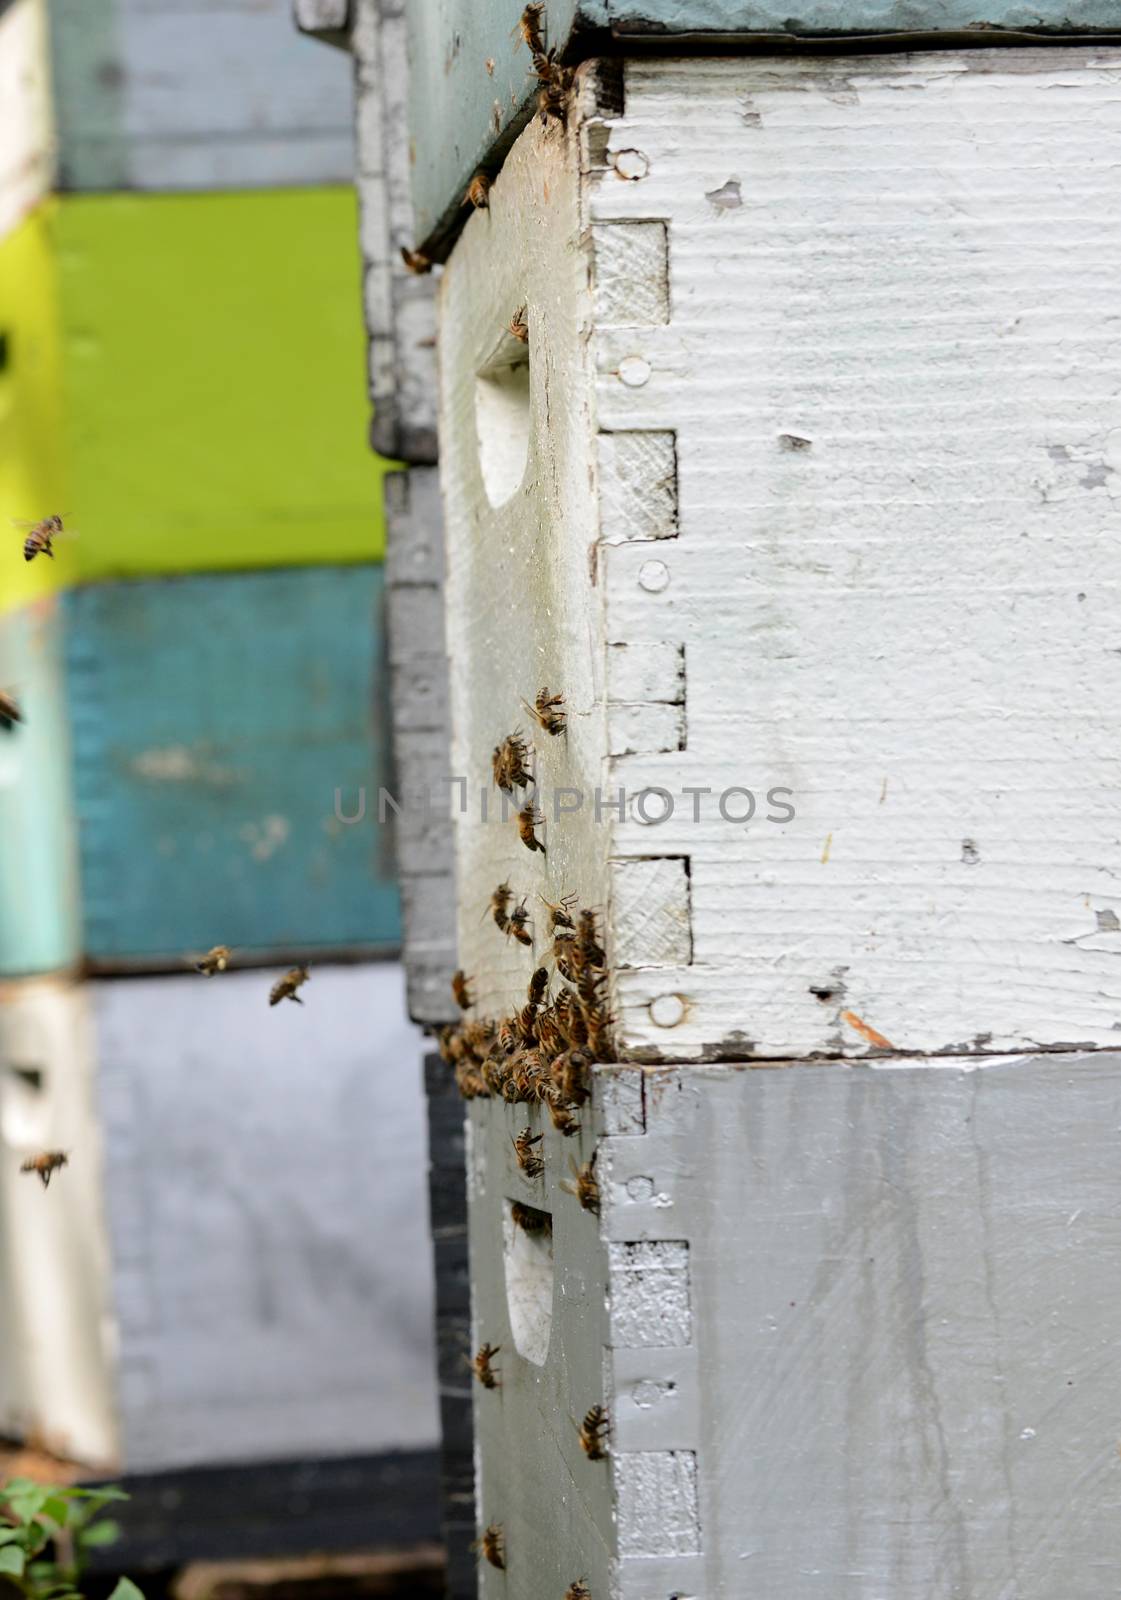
x=807, y=480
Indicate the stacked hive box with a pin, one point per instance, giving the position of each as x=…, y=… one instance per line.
x=800, y=492
x=203, y=683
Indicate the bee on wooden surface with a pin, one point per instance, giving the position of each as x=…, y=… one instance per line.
x=216, y=959
x=555, y=81
x=584, y=1187
x=549, y=1035
x=560, y=1116
x=560, y=915
x=498, y=907
x=538, y=983
x=528, y=28
x=517, y=925
x=518, y=326
x=569, y=1073
x=449, y=1042
x=593, y=1433
x=578, y=1591
x=529, y=1220
x=40, y=537
x=416, y=261
x=46, y=1164
x=528, y=1159
x=492, y=1546
x=526, y=1023
x=478, y=1037
x=482, y=1367
x=528, y=820
x=478, y=191
x=546, y=711
x=574, y=1023
x=461, y=990
x=508, y=1036
x=590, y=948
x=566, y=954
x=508, y=764
x=470, y=1082
x=285, y=988
x=10, y=712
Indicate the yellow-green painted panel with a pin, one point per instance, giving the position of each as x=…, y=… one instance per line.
x=215, y=382
x=33, y=468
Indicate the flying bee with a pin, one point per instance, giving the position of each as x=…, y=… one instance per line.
x=593, y=1432
x=578, y=1591
x=482, y=1368
x=517, y=925
x=528, y=28
x=546, y=711
x=477, y=192
x=560, y=915
x=528, y=820
x=528, y=1159
x=461, y=992
x=491, y=1546
x=40, y=537
x=560, y=1116
x=45, y=1164
x=10, y=712
x=529, y=1220
x=285, y=988
x=499, y=901
x=216, y=959
x=416, y=261
x=518, y=326
x=584, y=1186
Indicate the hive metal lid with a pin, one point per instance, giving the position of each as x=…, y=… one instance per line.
x=471, y=89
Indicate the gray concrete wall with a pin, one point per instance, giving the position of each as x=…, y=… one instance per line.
x=268, y=1223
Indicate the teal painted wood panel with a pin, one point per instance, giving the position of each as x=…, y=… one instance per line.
x=464, y=115
x=39, y=918
x=213, y=718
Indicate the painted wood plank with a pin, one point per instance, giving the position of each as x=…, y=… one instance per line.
x=195, y=95
x=469, y=94
x=291, y=1220
x=26, y=131
x=891, y=572
x=215, y=722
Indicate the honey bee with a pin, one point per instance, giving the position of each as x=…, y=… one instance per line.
x=416, y=261
x=528, y=28
x=546, y=711
x=555, y=82
x=568, y=1071
x=482, y=1368
x=518, y=326
x=560, y=1116
x=528, y=820
x=566, y=954
x=477, y=192
x=529, y=1220
x=470, y=1082
x=491, y=1546
x=461, y=991
x=538, y=983
x=499, y=901
x=40, y=537
x=46, y=1163
x=217, y=959
x=590, y=950
x=593, y=1432
x=449, y=1042
x=517, y=925
x=528, y=1159
x=508, y=1036
x=508, y=764
x=559, y=915
x=285, y=988
x=578, y=1591
x=10, y=712
x=585, y=1187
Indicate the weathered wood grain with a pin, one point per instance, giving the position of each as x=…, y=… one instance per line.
x=889, y=380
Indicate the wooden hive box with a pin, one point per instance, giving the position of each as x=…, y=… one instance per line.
x=802, y=486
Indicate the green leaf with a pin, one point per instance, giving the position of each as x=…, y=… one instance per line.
x=26, y=1503
x=12, y=1561
x=10, y=1535
x=126, y=1590
x=101, y=1533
